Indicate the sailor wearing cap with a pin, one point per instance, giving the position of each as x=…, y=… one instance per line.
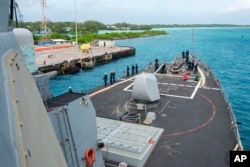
x=70, y=89
x=105, y=78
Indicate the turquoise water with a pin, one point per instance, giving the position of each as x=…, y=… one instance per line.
x=225, y=50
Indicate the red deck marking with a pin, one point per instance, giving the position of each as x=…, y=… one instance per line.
x=198, y=127
x=151, y=141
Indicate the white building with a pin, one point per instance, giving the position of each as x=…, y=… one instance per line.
x=60, y=41
x=106, y=43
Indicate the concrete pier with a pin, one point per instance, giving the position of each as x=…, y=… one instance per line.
x=57, y=58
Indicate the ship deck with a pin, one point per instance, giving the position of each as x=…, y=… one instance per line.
x=196, y=118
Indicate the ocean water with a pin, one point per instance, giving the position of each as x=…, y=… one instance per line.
x=225, y=50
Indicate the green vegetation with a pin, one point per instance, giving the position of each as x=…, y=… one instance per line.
x=94, y=26
x=89, y=26
x=88, y=30
x=123, y=35
x=122, y=26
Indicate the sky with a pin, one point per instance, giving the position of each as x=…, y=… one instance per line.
x=139, y=11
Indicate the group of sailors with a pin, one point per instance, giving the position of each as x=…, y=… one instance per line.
x=112, y=77
x=190, y=61
x=134, y=69
x=163, y=69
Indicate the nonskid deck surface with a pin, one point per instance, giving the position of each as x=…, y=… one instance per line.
x=196, y=120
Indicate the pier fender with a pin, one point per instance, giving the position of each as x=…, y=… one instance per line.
x=108, y=56
x=89, y=157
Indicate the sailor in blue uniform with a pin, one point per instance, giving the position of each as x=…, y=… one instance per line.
x=105, y=78
x=111, y=77
x=127, y=71
x=196, y=68
x=133, y=69
x=156, y=64
x=136, y=68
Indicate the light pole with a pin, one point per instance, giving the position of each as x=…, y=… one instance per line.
x=75, y=23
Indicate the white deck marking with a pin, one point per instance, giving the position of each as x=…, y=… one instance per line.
x=184, y=97
x=195, y=90
x=211, y=88
x=164, y=107
x=126, y=89
x=181, y=85
x=111, y=86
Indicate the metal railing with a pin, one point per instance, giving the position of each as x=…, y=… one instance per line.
x=229, y=107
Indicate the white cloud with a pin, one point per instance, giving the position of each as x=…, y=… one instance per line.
x=238, y=5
